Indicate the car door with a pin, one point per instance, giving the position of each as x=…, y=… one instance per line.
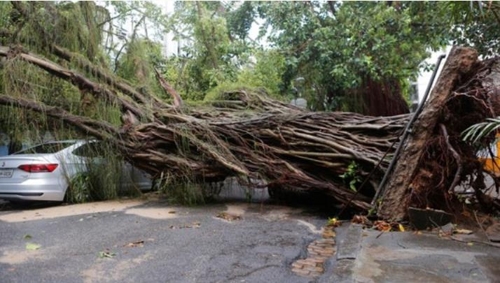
x=94, y=156
x=141, y=179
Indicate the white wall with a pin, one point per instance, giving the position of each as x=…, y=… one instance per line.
x=424, y=78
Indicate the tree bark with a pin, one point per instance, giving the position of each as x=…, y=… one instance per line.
x=409, y=176
x=208, y=45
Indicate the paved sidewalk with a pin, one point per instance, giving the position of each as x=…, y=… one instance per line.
x=372, y=256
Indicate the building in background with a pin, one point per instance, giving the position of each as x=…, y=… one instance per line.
x=425, y=76
x=414, y=97
x=418, y=88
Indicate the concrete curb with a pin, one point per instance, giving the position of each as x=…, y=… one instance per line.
x=348, y=247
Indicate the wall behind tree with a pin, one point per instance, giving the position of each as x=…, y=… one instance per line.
x=4, y=144
x=425, y=77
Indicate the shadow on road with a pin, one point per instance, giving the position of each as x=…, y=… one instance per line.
x=230, y=193
x=18, y=206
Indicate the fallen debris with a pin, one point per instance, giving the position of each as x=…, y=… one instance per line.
x=106, y=254
x=135, y=244
x=229, y=217
x=32, y=246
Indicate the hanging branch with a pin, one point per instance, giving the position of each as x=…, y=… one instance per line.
x=83, y=83
x=109, y=79
x=98, y=129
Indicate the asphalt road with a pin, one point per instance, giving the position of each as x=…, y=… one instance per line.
x=153, y=241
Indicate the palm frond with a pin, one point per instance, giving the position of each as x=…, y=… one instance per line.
x=480, y=130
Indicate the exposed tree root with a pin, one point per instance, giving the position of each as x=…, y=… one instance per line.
x=436, y=157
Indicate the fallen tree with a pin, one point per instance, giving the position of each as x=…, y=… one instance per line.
x=244, y=134
x=248, y=136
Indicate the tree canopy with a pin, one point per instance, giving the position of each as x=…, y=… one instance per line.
x=347, y=52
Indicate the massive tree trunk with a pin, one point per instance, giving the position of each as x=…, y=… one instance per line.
x=428, y=164
x=383, y=98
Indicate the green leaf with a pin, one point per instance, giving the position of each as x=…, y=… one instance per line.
x=32, y=246
x=352, y=185
x=106, y=254
x=475, y=132
x=27, y=237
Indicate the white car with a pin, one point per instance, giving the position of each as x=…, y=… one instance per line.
x=43, y=172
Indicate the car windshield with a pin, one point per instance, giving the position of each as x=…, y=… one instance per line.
x=45, y=148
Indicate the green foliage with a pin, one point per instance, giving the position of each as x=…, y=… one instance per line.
x=351, y=176
x=148, y=20
x=265, y=72
x=240, y=20
x=20, y=79
x=101, y=178
x=218, y=48
x=185, y=191
x=138, y=63
x=481, y=130
x=79, y=27
x=80, y=189
x=475, y=23
x=72, y=25
x=332, y=46
x=334, y=50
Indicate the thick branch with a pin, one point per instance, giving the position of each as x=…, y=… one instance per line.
x=169, y=89
x=208, y=45
x=98, y=129
x=458, y=160
x=78, y=80
x=111, y=80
